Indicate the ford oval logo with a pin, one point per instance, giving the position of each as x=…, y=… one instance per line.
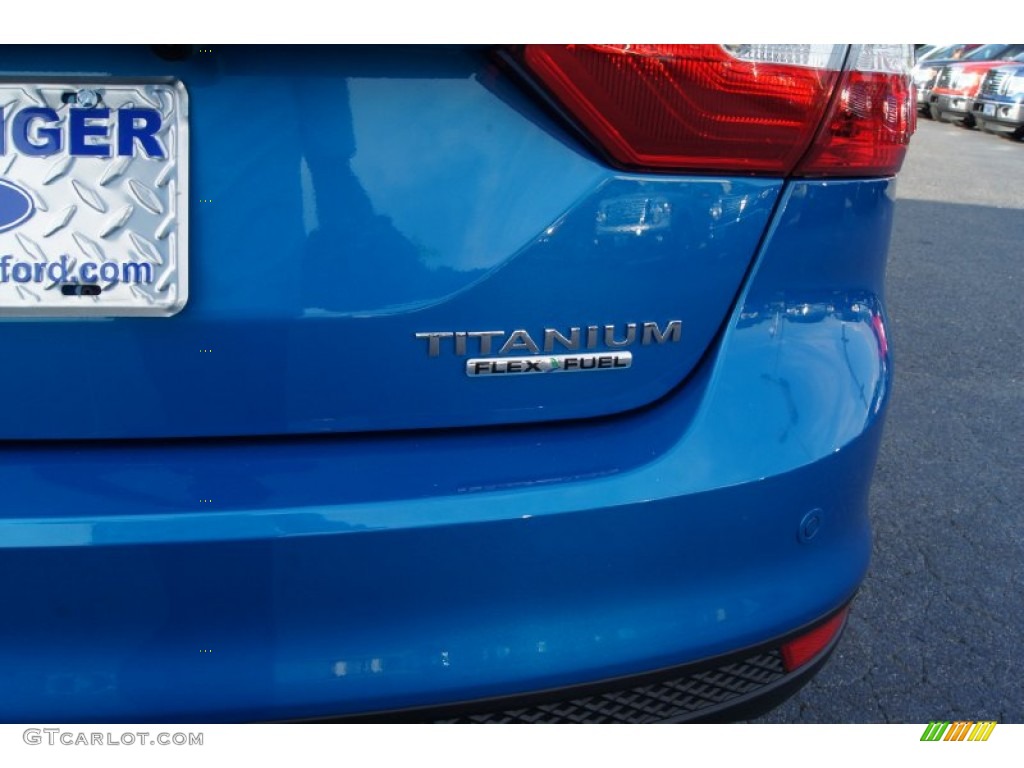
x=16, y=205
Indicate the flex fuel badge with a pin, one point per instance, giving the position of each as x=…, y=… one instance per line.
x=498, y=366
x=578, y=349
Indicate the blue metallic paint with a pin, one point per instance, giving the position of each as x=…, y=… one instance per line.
x=351, y=573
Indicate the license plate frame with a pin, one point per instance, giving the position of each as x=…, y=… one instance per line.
x=100, y=168
x=989, y=110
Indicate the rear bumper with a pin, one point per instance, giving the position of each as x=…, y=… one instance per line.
x=951, y=107
x=1005, y=117
x=738, y=686
x=336, y=576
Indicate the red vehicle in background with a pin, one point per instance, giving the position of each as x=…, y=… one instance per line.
x=957, y=84
x=928, y=66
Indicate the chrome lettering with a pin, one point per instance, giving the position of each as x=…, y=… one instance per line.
x=571, y=343
x=434, y=341
x=485, y=339
x=519, y=340
x=652, y=334
x=610, y=340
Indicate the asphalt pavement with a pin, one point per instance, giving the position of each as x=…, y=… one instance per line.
x=937, y=631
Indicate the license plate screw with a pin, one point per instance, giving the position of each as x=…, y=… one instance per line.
x=87, y=98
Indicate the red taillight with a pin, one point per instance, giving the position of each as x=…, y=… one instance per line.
x=867, y=130
x=730, y=109
x=802, y=649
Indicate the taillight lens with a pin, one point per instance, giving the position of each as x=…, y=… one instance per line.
x=725, y=108
x=872, y=119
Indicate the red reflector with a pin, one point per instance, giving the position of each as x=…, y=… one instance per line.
x=868, y=129
x=801, y=650
x=883, y=342
x=686, y=106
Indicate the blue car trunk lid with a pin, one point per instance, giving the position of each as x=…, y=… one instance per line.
x=386, y=239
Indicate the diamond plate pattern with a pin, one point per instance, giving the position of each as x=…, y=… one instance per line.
x=651, y=703
x=101, y=209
